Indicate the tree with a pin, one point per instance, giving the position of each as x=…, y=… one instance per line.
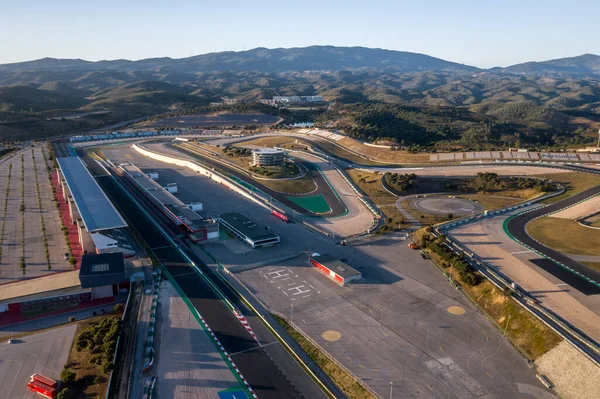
x=450, y=216
x=119, y=307
x=67, y=376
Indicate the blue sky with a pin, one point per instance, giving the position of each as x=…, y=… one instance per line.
x=483, y=33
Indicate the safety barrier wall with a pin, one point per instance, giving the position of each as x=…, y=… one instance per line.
x=229, y=183
x=126, y=312
x=149, y=349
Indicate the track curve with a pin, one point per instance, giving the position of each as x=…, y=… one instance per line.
x=559, y=265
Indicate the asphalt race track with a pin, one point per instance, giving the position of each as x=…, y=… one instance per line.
x=516, y=227
x=337, y=207
x=261, y=372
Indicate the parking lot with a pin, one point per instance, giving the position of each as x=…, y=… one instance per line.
x=21, y=233
x=45, y=353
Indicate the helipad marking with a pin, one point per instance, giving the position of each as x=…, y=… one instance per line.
x=331, y=335
x=456, y=310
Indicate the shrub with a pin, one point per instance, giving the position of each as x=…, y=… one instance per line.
x=71, y=319
x=67, y=376
x=107, y=367
x=98, y=380
x=64, y=394
x=109, y=348
x=119, y=307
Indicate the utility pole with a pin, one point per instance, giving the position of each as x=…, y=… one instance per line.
x=506, y=326
x=391, y=389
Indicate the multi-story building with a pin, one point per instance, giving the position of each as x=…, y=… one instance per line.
x=267, y=157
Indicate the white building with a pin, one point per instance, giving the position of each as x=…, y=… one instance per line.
x=267, y=157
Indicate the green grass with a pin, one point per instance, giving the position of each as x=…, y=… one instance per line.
x=573, y=182
x=313, y=203
x=303, y=185
x=565, y=235
x=343, y=379
x=592, y=265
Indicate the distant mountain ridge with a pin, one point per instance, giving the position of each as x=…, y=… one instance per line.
x=312, y=58
x=580, y=66
x=259, y=59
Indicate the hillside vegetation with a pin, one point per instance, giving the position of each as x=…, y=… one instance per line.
x=405, y=97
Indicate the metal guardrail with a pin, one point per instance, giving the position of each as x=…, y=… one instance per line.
x=553, y=321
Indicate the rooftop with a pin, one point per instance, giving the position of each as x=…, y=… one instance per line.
x=102, y=269
x=162, y=196
x=336, y=265
x=96, y=210
x=247, y=227
x=58, y=283
x=268, y=151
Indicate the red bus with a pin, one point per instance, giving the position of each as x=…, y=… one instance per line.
x=42, y=389
x=44, y=380
x=280, y=216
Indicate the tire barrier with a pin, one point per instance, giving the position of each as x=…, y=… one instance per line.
x=149, y=350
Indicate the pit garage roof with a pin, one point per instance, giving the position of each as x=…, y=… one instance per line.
x=96, y=210
x=99, y=270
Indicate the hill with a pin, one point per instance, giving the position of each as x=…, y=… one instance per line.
x=28, y=99
x=258, y=59
x=410, y=97
x=587, y=65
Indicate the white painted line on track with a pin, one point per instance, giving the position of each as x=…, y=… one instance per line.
x=520, y=252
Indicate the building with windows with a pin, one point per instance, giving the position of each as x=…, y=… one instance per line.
x=267, y=157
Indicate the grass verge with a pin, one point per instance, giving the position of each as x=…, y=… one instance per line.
x=565, y=235
x=573, y=182
x=592, y=265
x=303, y=185
x=342, y=378
x=370, y=184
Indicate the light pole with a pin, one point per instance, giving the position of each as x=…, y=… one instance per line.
x=291, y=313
x=391, y=389
x=506, y=326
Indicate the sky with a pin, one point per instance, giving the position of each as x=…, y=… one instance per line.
x=483, y=33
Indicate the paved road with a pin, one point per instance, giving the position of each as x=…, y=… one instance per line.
x=258, y=368
x=579, y=275
x=45, y=353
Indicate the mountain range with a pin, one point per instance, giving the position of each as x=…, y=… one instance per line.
x=48, y=87
x=313, y=58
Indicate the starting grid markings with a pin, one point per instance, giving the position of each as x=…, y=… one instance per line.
x=289, y=283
